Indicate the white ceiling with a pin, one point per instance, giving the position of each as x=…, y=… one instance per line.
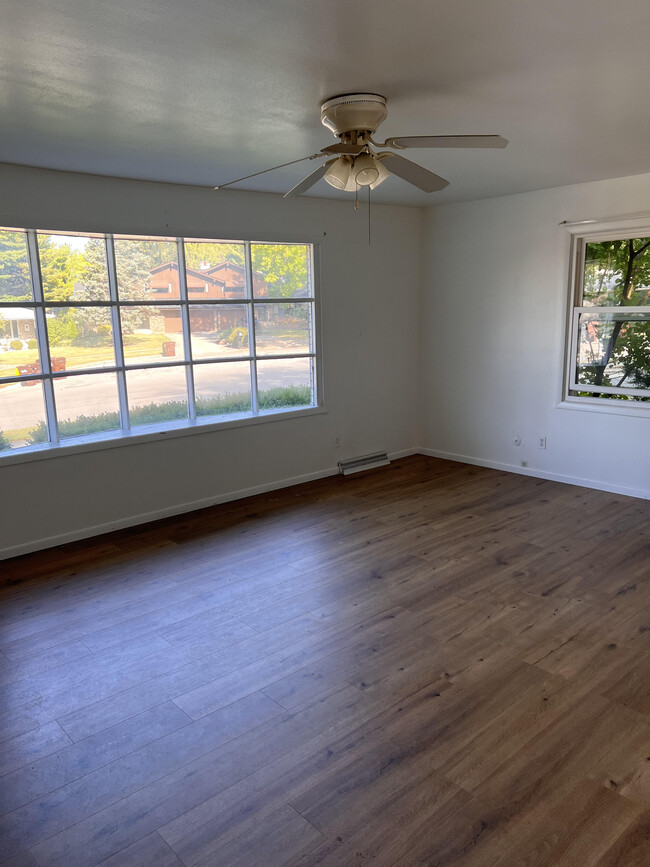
x=204, y=91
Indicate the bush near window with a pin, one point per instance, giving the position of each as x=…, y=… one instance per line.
x=272, y=398
x=238, y=336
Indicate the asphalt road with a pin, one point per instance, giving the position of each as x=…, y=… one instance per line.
x=22, y=406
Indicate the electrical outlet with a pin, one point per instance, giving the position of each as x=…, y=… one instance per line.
x=517, y=440
x=541, y=442
x=337, y=442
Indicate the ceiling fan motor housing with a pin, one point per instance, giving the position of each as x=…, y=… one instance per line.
x=353, y=112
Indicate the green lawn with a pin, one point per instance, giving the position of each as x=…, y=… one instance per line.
x=135, y=346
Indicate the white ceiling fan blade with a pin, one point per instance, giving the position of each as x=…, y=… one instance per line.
x=343, y=149
x=272, y=169
x=413, y=173
x=307, y=182
x=447, y=141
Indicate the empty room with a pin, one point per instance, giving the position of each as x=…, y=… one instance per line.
x=324, y=433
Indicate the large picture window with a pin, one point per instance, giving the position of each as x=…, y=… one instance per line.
x=608, y=357
x=104, y=336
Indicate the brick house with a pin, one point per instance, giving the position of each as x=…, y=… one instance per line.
x=224, y=281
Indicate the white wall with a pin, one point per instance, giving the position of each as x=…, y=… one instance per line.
x=370, y=297
x=492, y=332
x=484, y=287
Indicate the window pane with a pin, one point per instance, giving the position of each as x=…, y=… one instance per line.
x=219, y=330
x=73, y=268
x=614, y=349
x=215, y=270
x=152, y=335
x=222, y=388
x=617, y=273
x=80, y=337
x=284, y=383
x=18, y=342
x=144, y=268
x=156, y=394
x=281, y=271
x=15, y=284
x=86, y=404
x=282, y=329
x=22, y=415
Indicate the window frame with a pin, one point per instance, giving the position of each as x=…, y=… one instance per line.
x=583, y=233
x=194, y=424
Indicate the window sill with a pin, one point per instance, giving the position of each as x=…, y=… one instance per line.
x=609, y=407
x=148, y=434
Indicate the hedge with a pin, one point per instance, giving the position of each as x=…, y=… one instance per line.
x=272, y=398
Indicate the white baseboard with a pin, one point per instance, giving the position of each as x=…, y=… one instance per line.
x=182, y=508
x=179, y=509
x=157, y=514
x=539, y=474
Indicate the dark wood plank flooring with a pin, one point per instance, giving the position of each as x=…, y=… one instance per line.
x=429, y=663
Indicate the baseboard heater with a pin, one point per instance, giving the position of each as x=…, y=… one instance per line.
x=365, y=462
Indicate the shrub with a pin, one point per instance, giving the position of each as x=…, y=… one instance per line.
x=84, y=424
x=62, y=329
x=154, y=413
x=223, y=335
x=223, y=404
x=16, y=344
x=290, y=395
x=238, y=336
x=4, y=442
x=32, y=344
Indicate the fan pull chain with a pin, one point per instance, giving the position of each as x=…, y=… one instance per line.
x=368, y=216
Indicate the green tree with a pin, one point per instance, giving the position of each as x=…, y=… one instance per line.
x=617, y=274
x=214, y=254
x=133, y=261
x=15, y=284
x=61, y=269
x=283, y=266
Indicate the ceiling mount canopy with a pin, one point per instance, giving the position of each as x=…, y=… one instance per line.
x=353, y=118
x=353, y=113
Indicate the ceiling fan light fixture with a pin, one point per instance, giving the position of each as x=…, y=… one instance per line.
x=383, y=173
x=339, y=173
x=365, y=170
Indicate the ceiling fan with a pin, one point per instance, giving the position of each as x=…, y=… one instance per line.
x=353, y=118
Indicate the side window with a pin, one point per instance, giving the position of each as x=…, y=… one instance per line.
x=608, y=356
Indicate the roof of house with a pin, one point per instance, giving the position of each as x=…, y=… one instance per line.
x=195, y=272
x=15, y=314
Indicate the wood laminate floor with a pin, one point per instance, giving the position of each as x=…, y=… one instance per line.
x=429, y=663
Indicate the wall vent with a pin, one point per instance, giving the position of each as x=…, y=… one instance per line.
x=366, y=462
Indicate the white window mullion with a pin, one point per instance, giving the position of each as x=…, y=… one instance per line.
x=187, y=333
x=116, y=324
x=41, y=333
x=250, y=316
x=315, y=334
